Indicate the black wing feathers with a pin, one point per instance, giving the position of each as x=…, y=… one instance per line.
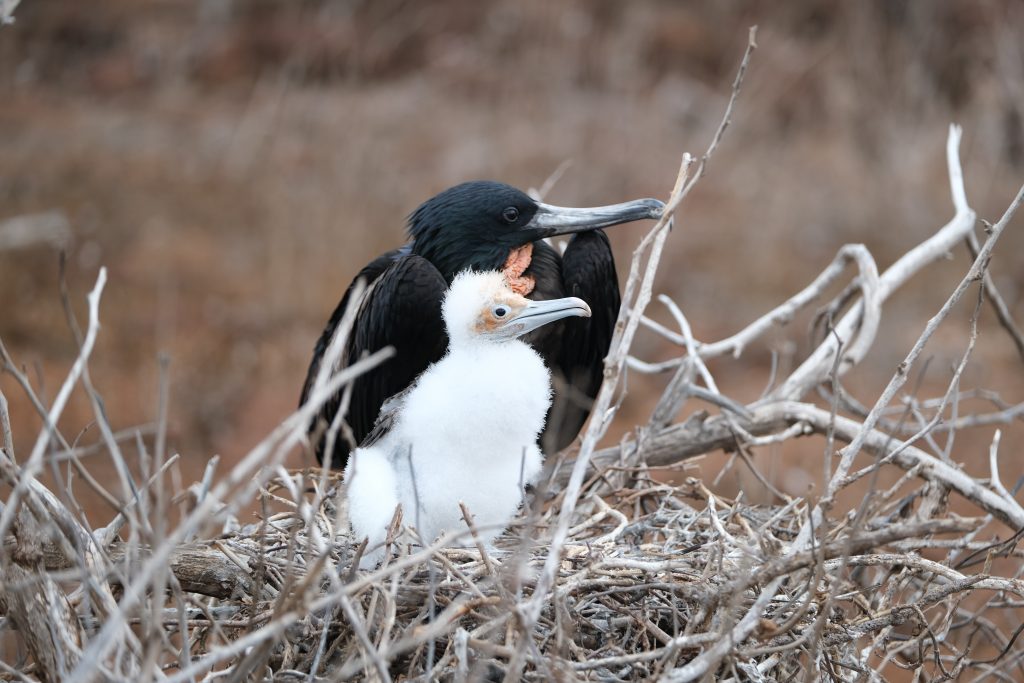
x=402, y=309
x=368, y=275
x=588, y=272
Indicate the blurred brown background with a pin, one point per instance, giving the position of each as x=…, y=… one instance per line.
x=233, y=163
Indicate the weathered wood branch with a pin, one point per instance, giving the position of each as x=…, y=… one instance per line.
x=699, y=436
x=815, y=369
x=198, y=567
x=36, y=604
x=29, y=230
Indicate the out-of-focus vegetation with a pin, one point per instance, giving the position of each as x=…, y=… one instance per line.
x=235, y=163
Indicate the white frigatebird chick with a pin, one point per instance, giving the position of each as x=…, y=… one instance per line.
x=481, y=226
x=467, y=429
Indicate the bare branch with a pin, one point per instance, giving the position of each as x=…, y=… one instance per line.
x=816, y=367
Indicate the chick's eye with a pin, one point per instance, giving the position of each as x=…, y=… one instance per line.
x=499, y=311
x=510, y=214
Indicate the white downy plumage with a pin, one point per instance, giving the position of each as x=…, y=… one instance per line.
x=467, y=429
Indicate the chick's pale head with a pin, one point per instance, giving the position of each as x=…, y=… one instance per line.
x=482, y=307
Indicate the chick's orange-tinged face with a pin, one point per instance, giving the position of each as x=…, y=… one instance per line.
x=502, y=307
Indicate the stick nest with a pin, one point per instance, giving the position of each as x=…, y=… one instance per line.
x=651, y=575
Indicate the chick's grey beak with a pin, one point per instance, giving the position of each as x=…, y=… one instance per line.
x=550, y=220
x=539, y=313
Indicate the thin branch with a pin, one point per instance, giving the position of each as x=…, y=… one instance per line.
x=816, y=367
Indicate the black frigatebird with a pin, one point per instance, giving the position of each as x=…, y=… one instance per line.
x=480, y=225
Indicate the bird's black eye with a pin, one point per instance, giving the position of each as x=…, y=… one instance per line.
x=510, y=214
x=499, y=311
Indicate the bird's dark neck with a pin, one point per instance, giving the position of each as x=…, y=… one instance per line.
x=451, y=257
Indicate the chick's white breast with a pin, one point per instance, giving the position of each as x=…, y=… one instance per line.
x=471, y=397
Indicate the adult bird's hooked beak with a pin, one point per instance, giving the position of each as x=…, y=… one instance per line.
x=538, y=313
x=550, y=221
